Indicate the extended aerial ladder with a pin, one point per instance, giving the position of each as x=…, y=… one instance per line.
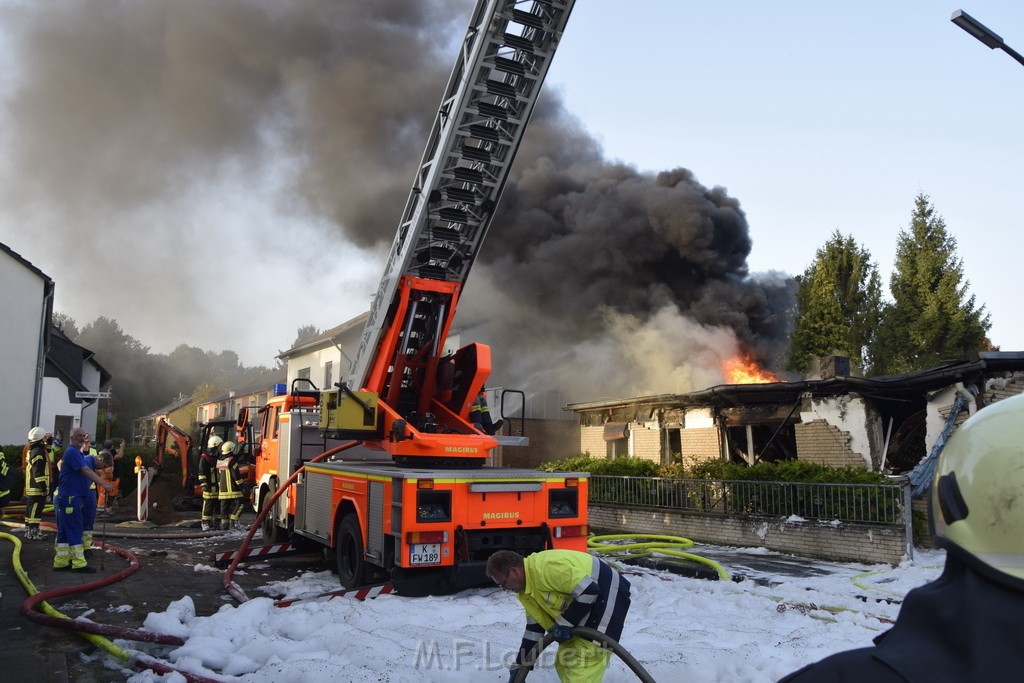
x=385, y=472
x=413, y=402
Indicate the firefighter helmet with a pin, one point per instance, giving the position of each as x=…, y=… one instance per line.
x=36, y=434
x=976, y=508
x=228, y=447
x=214, y=441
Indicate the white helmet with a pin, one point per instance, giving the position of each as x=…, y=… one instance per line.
x=214, y=441
x=976, y=508
x=228, y=447
x=36, y=434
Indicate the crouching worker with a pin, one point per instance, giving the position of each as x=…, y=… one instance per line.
x=561, y=589
x=73, y=495
x=229, y=487
x=967, y=625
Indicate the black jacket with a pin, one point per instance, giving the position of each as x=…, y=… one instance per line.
x=961, y=627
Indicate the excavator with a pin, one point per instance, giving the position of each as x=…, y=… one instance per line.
x=173, y=442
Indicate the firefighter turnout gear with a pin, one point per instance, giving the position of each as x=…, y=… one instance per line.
x=208, y=481
x=37, y=484
x=567, y=588
x=480, y=415
x=229, y=487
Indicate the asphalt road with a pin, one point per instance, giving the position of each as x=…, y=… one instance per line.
x=35, y=652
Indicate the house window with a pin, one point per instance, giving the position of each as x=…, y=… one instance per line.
x=328, y=374
x=303, y=373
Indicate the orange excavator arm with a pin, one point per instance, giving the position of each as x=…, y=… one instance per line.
x=171, y=439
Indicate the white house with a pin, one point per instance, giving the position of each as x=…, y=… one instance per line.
x=26, y=294
x=43, y=370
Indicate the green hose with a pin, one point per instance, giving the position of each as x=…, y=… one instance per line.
x=99, y=641
x=663, y=545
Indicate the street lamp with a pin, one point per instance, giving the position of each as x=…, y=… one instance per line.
x=983, y=33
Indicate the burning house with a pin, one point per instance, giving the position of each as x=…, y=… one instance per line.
x=885, y=424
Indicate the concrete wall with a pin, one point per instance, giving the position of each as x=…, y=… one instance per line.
x=871, y=544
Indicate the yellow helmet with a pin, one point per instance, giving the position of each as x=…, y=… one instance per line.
x=36, y=434
x=228, y=448
x=977, y=498
x=214, y=441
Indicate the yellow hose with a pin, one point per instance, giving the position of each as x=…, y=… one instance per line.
x=663, y=545
x=99, y=641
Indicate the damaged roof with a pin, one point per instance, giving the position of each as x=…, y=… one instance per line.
x=906, y=386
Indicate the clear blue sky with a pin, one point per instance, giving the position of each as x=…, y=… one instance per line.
x=819, y=116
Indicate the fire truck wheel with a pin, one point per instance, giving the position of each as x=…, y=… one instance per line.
x=348, y=547
x=272, y=533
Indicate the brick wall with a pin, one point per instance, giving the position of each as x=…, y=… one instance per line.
x=820, y=442
x=592, y=441
x=700, y=444
x=549, y=440
x=646, y=442
x=870, y=544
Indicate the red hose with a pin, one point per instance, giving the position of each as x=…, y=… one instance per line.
x=230, y=585
x=82, y=626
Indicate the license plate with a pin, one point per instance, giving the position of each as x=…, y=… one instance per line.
x=425, y=553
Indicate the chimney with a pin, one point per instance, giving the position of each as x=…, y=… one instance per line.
x=835, y=366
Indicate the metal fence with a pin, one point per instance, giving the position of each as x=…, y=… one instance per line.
x=863, y=503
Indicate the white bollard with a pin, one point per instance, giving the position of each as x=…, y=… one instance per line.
x=142, y=492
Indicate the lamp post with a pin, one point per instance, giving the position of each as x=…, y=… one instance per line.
x=983, y=33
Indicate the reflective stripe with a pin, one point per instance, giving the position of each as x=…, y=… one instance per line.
x=1015, y=560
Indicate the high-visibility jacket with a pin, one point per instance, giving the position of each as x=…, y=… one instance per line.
x=229, y=479
x=571, y=588
x=5, y=474
x=208, y=473
x=37, y=471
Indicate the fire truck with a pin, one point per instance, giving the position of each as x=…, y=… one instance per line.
x=386, y=471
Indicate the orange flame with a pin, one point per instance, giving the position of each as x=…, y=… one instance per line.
x=743, y=370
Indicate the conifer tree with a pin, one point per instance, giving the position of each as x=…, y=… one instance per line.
x=838, y=305
x=931, y=318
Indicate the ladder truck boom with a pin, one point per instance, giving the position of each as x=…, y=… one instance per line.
x=387, y=471
x=486, y=107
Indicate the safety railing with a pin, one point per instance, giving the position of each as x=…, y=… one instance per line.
x=863, y=503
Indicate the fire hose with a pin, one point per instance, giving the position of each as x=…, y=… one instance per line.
x=590, y=634
x=229, y=585
x=91, y=631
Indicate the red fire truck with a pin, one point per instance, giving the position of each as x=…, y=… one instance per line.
x=393, y=482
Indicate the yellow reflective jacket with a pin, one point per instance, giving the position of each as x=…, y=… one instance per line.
x=551, y=577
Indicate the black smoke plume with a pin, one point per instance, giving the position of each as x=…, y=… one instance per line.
x=188, y=168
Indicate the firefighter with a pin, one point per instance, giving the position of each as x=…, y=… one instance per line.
x=6, y=475
x=560, y=589
x=480, y=414
x=229, y=488
x=37, y=482
x=967, y=625
x=72, y=492
x=208, y=481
